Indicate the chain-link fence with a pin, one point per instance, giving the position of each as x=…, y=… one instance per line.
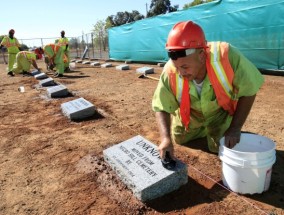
x=88, y=45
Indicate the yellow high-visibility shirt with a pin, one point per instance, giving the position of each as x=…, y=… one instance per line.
x=11, y=44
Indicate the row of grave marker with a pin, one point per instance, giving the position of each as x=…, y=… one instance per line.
x=136, y=161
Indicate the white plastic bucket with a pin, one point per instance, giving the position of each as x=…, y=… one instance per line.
x=72, y=65
x=247, y=167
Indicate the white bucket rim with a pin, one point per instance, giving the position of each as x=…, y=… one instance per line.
x=248, y=159
x=222, y=142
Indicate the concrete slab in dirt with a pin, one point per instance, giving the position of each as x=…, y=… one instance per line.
x=57, y=91
x=78, y=61
x=73, y=60
x=95, y=63
x=35, y=72
x=86, y=62
x=161, y=64
x=145, y=70
x=47, y=82
x=122, y=67
x=138, y=164
x=78, y=109
x=105, y=65
x=41, y=76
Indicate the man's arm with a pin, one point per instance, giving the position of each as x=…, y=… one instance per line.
x=233, y=133
x=164, y=124
x=35, y=65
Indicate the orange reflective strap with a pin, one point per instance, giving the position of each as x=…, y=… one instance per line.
x=180, y=89
x=221, y=75
x=185, y=105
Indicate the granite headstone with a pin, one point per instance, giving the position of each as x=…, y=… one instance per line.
x=137, y=162
x=41, y=76
x=86, y=62
x=96, y=63
x=145, y=70
x=57, y=91
x=78, y=109
x=47, y=82
x=105, y=65
x=122, y=67
x=35, y=72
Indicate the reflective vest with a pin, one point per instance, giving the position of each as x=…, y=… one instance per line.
x=63, y=42
x=220, y=74
x=11, y=44
x=54, y=48
x=28, y=55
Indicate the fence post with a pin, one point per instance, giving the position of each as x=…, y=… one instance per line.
x=92, y=37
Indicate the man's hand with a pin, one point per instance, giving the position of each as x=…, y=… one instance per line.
x=166, y=145
x=232, y=137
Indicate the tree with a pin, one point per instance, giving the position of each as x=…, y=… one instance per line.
x=122, y=18
x=158, y=7
x=73, y=43
x=100, y=34
x=196, y=2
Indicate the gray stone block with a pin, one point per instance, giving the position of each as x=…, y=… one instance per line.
x=78, y=109
x=41, y=76
x=47, y=82
x=95, y=63
x=35, y=72
x=78, y=61
x=145, y=70
x=137, y=162
x=57, y=91
x=86, y=62
x=161, y=64
x=122, y=67
x=105, y=65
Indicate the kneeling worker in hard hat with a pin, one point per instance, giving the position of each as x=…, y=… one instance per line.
x=24, y=60
x=55, y=54
x=13, y=45
x=207, y=88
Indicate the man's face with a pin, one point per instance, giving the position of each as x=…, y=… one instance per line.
x=190, y=66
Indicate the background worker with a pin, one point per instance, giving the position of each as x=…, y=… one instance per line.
x=54, y=54
x=207, y=88
x=64, y=43
x=13, y=45
x=24, y=60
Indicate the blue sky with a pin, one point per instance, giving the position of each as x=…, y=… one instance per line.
x=45, y=19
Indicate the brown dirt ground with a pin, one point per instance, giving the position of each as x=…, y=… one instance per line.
x=50, y=165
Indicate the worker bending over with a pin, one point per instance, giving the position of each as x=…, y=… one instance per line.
x=55, y=54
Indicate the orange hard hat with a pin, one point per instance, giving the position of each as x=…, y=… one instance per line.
x=186, y=35
x=12, y=31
